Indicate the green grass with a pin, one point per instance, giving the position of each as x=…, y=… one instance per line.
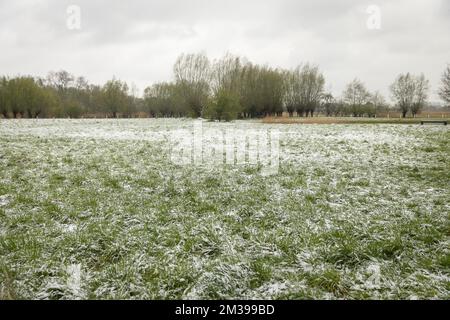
x=347, y=200
x=353, y=120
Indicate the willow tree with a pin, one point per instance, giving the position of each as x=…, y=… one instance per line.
x=262, y=91
x=291, y=90
x=115, y=97
x=4, y=98
x=410, y=92
x=16, y=99
x=444, y=90
x=304, y=89
x=226, y=82
x=272, y=91
x=192, y=75
x=311, y=87
x=251, y=100
x=421, y=88
x=163, y=99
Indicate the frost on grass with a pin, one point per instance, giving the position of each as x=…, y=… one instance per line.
x=355, y=211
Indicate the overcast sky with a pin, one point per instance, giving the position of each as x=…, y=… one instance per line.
x=138, y=41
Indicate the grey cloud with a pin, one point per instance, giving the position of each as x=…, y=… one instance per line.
x=139, y=40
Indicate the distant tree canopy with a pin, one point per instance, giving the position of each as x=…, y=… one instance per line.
x=224, y=89
x=116, y=99
x=410, y=93
x=25, y=96
x=61, y=94
x=192, y=77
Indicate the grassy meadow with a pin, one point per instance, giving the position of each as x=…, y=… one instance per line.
x=356, y=211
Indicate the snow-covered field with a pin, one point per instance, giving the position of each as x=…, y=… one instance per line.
x=97, y=209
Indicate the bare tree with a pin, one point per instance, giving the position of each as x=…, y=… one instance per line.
x=403, y=92
x=410, y=92
x=356, y=97
x=421, y=88
x=226, y=74
x=61, y=80
x=311, y=88
x=328, y=104
x=81, y=83
x=290, y=84
x=192, y=74
x=378, y=100
x=444, y=90
x=304, y=88
x=376, y=104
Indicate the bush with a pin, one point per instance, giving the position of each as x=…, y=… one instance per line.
x=73, y=109
x=224, y=106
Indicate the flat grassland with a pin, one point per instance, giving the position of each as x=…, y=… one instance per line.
x=356, y=211
x=351, y=120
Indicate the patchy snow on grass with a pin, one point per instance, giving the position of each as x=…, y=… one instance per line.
x=4, y=200
x=354, y=211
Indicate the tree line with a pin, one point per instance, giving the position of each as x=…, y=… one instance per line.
x=224, y=89
x=61, y=94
